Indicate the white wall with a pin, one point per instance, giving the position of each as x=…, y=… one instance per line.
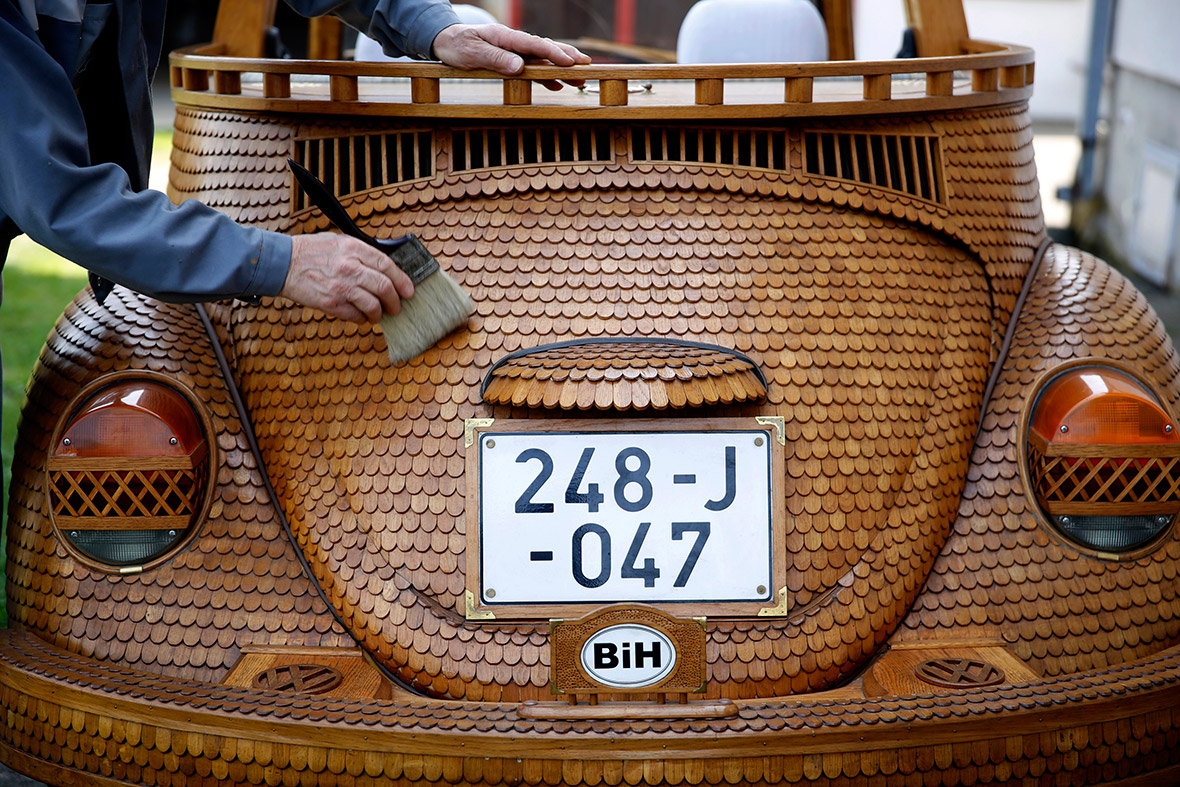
x=1145, y=38
x=1059, y=31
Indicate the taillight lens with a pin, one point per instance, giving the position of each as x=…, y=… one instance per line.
x=1103, y=458
x=128, y=472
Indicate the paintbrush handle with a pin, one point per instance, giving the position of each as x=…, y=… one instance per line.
x=407, y=251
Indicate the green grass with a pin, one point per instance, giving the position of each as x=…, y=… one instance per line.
x=38, y=285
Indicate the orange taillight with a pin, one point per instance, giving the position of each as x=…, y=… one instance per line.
x=1100, y=405
x=1103, y=458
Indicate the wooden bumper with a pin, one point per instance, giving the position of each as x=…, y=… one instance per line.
x=73, y=720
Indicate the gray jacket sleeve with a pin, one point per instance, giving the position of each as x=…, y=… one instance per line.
x=402, y=27
x=89, y=213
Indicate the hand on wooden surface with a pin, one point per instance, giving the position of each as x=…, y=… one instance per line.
x=502, y=49
x=344, y=277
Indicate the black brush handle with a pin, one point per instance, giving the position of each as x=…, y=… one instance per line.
x=407, y=251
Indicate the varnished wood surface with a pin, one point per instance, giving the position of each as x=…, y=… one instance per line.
x=1002, y=568
x=241, y=26
x=872, y=296
x=369, y=451
x=940, y=26
x=838, y=21
x=1103, y=727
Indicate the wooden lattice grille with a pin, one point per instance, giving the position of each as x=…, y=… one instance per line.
x=1090, y=485
x=747, y=148
x=100, y=496
x=359, y=162
x=909, y=163
x=484, y=148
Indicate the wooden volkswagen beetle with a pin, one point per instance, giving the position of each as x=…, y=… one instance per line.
x=783, y=447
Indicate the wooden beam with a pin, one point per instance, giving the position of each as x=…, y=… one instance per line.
x=323, y=38
x=940, y=26
x=241, y=26
x=838, y=18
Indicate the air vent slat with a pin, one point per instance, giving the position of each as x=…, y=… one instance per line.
x=507, y=147
x=743, y=148
x=359, y=162
x=908, y=163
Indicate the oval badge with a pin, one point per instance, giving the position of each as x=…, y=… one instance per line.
x=628, y=656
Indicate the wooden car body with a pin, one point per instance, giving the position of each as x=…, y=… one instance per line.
x=845, y=261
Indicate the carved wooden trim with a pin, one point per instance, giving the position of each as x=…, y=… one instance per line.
x=623, y=374
x=568, y=638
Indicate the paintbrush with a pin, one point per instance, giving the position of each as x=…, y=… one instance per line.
x=438, y=305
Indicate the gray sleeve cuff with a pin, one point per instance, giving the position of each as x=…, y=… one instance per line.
x=270, y=266
x=426, y=26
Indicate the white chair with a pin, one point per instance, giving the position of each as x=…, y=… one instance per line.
x=368, y=49
x=752, y=31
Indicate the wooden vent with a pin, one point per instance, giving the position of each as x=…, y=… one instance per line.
x=359, y=162
x=753, y=148
x=484, y=148
x=909, y=163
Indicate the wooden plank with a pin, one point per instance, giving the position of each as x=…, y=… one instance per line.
x=241, y=26
x=701, y=709
x=838, y=20
x=940, y=26
x=174, y=522
x=323, y=38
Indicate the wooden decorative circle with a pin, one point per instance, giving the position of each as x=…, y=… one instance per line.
x=299, y=678
x=959, y=673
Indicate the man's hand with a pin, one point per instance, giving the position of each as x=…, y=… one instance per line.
x=344, y=277
x=502, y=49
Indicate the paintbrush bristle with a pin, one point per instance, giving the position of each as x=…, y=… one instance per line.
x=438, y=307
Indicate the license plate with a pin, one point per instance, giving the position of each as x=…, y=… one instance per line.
x=575, y=517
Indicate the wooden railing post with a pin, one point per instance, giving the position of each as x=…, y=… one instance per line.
x=710, y=91
x=940, y=83
x=799, y=90
x=424, y=91
x=612, y=92
x=343, y=88
x=518, y=92
x=276, y=85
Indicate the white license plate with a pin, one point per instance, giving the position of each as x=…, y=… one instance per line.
x=605, y=517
